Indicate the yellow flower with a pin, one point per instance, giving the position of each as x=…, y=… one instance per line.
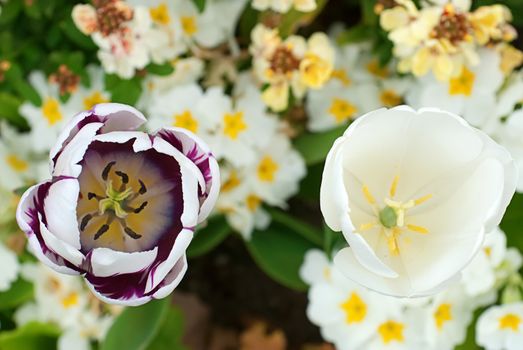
x=510, y=58
x=315, y=71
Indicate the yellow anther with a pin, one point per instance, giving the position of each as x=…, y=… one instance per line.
x=418, y=229
x=368, y=195
x=393, y=245
x=393, y=186
x=367, y=226
x=422, y=199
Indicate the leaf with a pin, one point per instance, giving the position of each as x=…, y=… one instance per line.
x=356, y=34
x=315, y=146
x=200, y=4
x=171, y=332
x=34, y=335
x=136, y=327
x=279, y=253
x=209, y=237
x=511, y=223
x=20, y=292
x=160, y=69
x=10, y=11
x=296, y=225
x=123, y=90
x=295, y=19
x=76, y=36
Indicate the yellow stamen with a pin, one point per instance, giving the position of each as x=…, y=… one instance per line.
x=422, y=199
x=367, y=226
x=70, y=300
x=393, y=245
x=442, y=315
x=510, y=321
x=394, y=186
x=418, y=229
x=368, y=195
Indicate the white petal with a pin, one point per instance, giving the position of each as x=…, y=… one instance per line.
x=173, y=278
x=106, y=262
x=142, y=141
x=123, y=302
x=62, y=248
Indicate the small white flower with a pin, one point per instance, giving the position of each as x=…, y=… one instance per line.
x=501, y=327
x=10, y=267
x=283, y=6
x=316, y=267
x=408, y=204
x=510, y=137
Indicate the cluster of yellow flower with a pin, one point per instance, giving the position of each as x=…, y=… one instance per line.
x=445, y=39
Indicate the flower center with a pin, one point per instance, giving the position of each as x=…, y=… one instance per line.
x=267, y=169
x=453, y=26
x=186, y=120
x=65, y=78
x=283, y=60
x=510, y=321
x=342, y=110
x=355, y=309
x=93, y=99
x=233, y=124
x=51, y=111
x=462, y=84
x=391, y=218
x=442, y=315
x=17, y=164
x=389, y=98
x=390, y=331
x=160, y=14
x=189, y=25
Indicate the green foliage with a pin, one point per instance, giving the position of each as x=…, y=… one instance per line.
x=34, y=335
x=170, y=334
x=200, y=4
x=279, y=252
x=20, y=292
x=511, y=223
x=315, y=146
x=207, y=238
x=123, y=90
x=160, y=69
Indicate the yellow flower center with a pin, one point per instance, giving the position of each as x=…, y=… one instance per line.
x=233, y=124
x=355, y=309
x=510, y=321
x=342, y=110
x=93, y=99
x=342, y=76
x=374, y=68
x=267, y=169
x=391, y=219
x=70, y=300
x=462, y=84
x=443, y=314
x=51, y=111
x=160, y=14
x=390, y=331
x=314, y=70
x=189, y=25
x=186, y=120
x=17, y=164
x=389, y=98
x=232, y=182
x=488, y=251
x=253, y=202
x=327, y=273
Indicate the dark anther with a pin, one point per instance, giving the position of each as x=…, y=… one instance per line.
x=105, y=172
x=140, y=208
x=91, y=195
x=85, y=221
x=101, y=231
x=131, y=233
x=142, y=189
x=124, y=176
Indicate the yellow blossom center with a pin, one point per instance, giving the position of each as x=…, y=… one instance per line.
x=342, y=110
x=510, y=322
x=70, y=300
x=442, y=314
x=462, y=84
x=374, y=68
x=186, y=120
x=232, y=182
x=93, y=99
x=389, y=98
x=390, y=331
x=253, y=202
x=160, y=14
x=342, y=76
x=355, y=309
x=189, y=25
x=233, y=124
x=51, y=111
x=16, y=163
x=267, y=169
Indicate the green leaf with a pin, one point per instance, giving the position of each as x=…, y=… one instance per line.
x=315, y=146
x=356, y=34
x=295, y=19
x=34, y=335
x=209, y=237
x=20, y=292
x=367, y=12
x=15, y=78
x=200, y=4
x=10, y=11
x=136, y=327
x=160, y=69
x=71, y=31
x=123, y=90
x=511, y=223
x=171, y=332
x=279, y=253
x=308, y=232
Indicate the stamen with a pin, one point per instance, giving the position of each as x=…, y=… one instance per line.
x=123, y=176
x=92, y=195
x=101, y=231
x=368, y=195
x=105, y=172
x=393, y=186
x=393, y=245
x=131, y=233
x=367, y=226
x=418, y=229
x=422, y=199
x=85, y=221
x=141, y=207
x=142, y=189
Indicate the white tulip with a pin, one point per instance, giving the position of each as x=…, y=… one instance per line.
x=413, y=193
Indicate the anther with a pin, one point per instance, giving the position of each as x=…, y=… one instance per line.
x=131, y=233
x=101, y=231
x=92, y=195
x=142, y=189
x=85, y=221
x=105, y=172
x=140, y=208
x=123, y=176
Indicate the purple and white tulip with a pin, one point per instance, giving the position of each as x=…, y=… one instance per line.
x=122, y=205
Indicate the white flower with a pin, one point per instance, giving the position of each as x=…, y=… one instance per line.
x=86, y=97
x=10, y=267
x=510, y=137
x=501, y=327
x=472, y=94
x=88, y=326
x=402, y=187
x=510, y=95
x=47, y=120
x=283, y=6
x=316, y=267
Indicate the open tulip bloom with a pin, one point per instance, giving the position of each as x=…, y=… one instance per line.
x=122, y=204
x=414, y=193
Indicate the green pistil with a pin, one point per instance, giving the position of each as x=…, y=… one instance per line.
x=388, y=217
x=114, y=201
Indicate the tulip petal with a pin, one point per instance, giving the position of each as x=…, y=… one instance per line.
x=60, y=247
x=106, y=262
x=173, y=278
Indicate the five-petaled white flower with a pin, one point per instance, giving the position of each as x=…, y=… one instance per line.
x=500, y=327
x=122, y=204
x=413, y=193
